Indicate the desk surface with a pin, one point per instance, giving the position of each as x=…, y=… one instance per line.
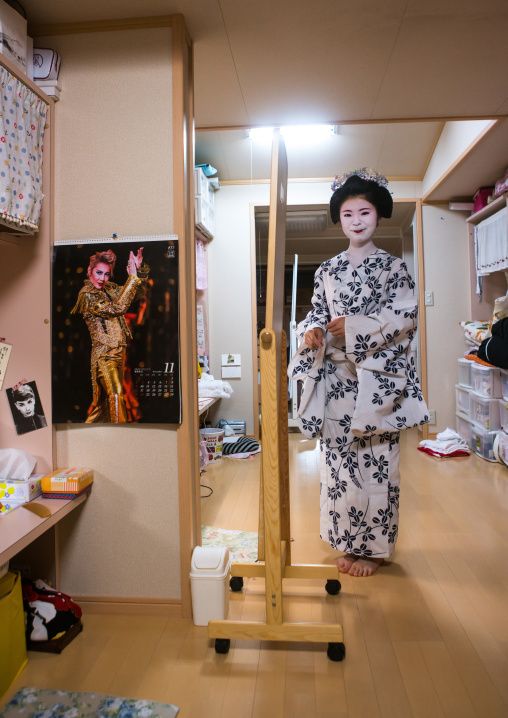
x=20, y=527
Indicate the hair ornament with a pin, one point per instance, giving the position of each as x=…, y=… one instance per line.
x=363, y=173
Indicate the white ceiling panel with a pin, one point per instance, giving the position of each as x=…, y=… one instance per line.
x=398, y=150
x=264, y=62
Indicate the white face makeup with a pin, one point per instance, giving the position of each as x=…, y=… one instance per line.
x=358, y=219
x=100, y=274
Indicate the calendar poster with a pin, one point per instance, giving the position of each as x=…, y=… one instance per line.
x=116, y=349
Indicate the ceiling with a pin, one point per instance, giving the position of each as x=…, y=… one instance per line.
x=261, y=62
x=402, y=150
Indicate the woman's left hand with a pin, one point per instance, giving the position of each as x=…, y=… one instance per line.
x=132, y=265
x=337, y=327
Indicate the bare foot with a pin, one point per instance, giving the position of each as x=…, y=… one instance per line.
x=345, y=562
x=365, y=566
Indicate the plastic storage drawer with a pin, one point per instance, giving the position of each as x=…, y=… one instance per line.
x=464, y=372
x=462, y=399
x=503, y=414
x=484, y=412
x=486, y=381
x=501, y=447
x=463, y=427
x=483, y=443
x=204, y=217
x=504, y=384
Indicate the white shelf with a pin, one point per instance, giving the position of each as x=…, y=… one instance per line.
x=18, y=528
x=488, y=210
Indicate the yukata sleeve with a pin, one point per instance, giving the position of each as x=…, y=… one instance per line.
x=389, y=395
x=319, y=315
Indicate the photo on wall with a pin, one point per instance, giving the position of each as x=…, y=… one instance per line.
x=26, y=407
x=115, y=344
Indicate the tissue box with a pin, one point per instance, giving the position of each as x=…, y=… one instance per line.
x=7, y=505
x=46, y=64
x=19, y=490
x=66, y=481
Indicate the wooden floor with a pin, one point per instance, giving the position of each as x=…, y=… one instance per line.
x=427, y=636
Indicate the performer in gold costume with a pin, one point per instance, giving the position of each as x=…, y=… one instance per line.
x=103, y=305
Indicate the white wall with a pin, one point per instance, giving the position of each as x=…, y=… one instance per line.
x=113, y=157
x=455, y=138
x=446, y=265
x=230, y=279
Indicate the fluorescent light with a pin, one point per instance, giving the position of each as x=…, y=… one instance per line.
x=294, y=134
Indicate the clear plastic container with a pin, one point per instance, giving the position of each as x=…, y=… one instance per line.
x=504, y=384
x=503, y=414
x=483, y=443
x=464, y=372
x=462, y=400
x=463, y=427
x=484, y=412
x=501, y=447
x=486, y=381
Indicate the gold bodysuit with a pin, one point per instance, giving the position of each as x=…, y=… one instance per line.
x=103, y=310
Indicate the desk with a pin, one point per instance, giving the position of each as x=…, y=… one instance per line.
x=20, y=527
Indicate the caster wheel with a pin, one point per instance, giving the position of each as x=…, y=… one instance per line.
x=336, y=651
x=236, y=583
x=222, y=645
x=332, y=587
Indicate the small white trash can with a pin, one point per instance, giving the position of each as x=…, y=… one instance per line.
x=209, y=575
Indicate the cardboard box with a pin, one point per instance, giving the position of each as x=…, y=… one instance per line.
x=21, y=490
x=13, y=35
x=66, y=481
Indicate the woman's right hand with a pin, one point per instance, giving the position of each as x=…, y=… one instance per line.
x=314, y=338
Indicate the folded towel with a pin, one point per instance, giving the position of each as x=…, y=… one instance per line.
x=447, y=443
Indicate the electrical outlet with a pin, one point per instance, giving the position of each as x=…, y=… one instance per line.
x=432, y=415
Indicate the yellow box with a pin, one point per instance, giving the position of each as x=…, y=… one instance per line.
x=68, y=481
x=13, y=656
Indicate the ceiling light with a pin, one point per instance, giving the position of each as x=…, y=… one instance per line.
x=295, y=134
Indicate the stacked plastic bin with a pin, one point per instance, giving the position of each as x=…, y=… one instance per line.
x=204, y=203
x=478, y=406
x=501, y=443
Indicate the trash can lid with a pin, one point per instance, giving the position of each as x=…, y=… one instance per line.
x=209, y=560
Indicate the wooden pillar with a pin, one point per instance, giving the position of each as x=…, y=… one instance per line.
x=183, y=207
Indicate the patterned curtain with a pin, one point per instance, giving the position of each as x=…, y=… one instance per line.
x=22, y=123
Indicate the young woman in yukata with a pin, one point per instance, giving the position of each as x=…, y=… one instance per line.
x=360, y=384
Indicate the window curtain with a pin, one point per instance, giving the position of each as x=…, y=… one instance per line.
x=491, y=238
x=22, y=123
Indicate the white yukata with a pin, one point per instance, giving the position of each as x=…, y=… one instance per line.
x=358, y=393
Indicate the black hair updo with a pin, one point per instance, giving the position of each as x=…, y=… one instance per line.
x=355, y=186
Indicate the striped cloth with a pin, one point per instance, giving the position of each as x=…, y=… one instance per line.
x=243, y=445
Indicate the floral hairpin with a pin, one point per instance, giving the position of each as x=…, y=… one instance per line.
x=363, y=173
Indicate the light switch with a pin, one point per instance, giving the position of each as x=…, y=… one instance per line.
x=429, y=299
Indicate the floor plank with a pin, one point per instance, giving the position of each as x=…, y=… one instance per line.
x=426, y=636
